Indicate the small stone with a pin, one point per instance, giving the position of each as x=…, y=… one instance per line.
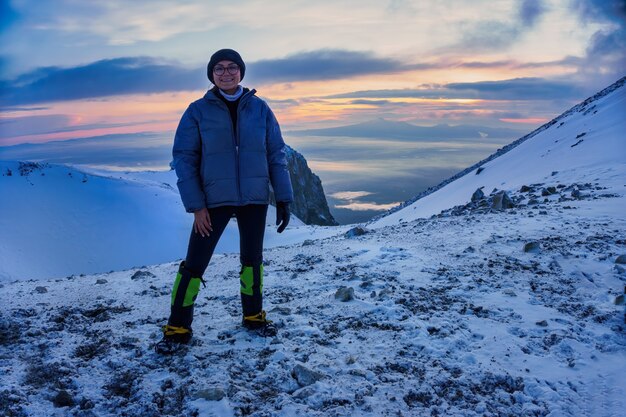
x=619, y=300
x=373, y=294
x=621, y=259
x=142, y=275
x=502, y=201
x=41, y=290
x=576, y=193
x=344, y=294
x=525, y=189
x=101, y=281
x=356, y=231
x=63, y=399
x=305, y=376
x=548, y=191
x=542, y=323
x=478, y=195
x=532, y=247
x=303, y=393
x=308, y=242
x=469, y=249
x=210, y=394
x=510, y=292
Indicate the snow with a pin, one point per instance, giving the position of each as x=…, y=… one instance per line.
x=450, y=317
x=60, y=220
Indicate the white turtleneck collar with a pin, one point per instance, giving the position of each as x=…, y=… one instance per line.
x=233, y=97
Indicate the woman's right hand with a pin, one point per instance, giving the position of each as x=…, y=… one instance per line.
x=202, y=222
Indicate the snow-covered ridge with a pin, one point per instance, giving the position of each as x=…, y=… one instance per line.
x=546, y=131
x=58, y=220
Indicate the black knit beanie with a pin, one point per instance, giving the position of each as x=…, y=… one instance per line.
x=228, y=55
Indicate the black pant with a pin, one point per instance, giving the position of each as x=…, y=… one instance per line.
x=251, y=224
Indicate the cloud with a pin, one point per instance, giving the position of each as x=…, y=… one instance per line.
x=605, y=58
x=323, y=64
x=367, y=206
x=145, y=75
x=530, y=11
x=371, y=102
x=513, y=89
x=103, y=78
x=350, y=195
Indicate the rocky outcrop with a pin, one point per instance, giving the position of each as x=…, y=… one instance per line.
x=310, y=203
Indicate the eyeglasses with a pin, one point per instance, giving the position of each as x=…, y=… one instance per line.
x=220, y=70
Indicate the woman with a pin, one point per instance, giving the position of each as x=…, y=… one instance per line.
x=227, y=150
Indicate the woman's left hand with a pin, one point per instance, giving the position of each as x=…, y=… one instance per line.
x=282, y=215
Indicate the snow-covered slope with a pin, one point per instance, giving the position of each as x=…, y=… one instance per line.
x=587, y=143
x=58, y=220
x=450, y=317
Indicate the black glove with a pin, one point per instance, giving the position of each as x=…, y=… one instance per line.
x=282, y=215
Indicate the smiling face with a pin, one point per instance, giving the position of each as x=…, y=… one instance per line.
x=226, y=82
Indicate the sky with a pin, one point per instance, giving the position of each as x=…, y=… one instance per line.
x=127, y=70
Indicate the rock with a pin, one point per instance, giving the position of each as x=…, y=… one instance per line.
x=478, y=195
x=619, y=300
x=469, y=249
x=532, y=247
x=502, y=201
x=356, y=231
x=142, y=275
x=101, y=281
x=525, y=189
x=510, y=292
x=308, y=242
x=41, y=290
x=303, y=393
x=576, y=193
x=344, y=294
x=210, y=394
x=533, y=202
x=305, y=376
x=63, y=399
x=621, y=259
x=479, y=170
x=542, y=323
x=548, y=191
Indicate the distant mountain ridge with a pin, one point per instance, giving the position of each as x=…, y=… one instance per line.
x=386, y=129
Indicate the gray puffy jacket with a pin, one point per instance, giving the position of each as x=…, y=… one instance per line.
x=215, y=167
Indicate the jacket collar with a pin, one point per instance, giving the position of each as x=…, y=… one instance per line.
x=211, y=94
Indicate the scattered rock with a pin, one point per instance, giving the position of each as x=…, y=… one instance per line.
x=532, y=247
x=621, y=259
x=63, y=399
x=542, y=323
x=479, y=170
x=308, y=242
x=469, y=249
x=525, y=189
x=305, y=376
x=344, y=294
x=356, y=231
x=510, y=292
x=210, y=394
x=502, y=201
x=142, y=275
x=478, y=195
x=548, y=191
x=41, y=290
x=619, y=300
x=101, y=281
x=303, y=393
x=576, y=193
